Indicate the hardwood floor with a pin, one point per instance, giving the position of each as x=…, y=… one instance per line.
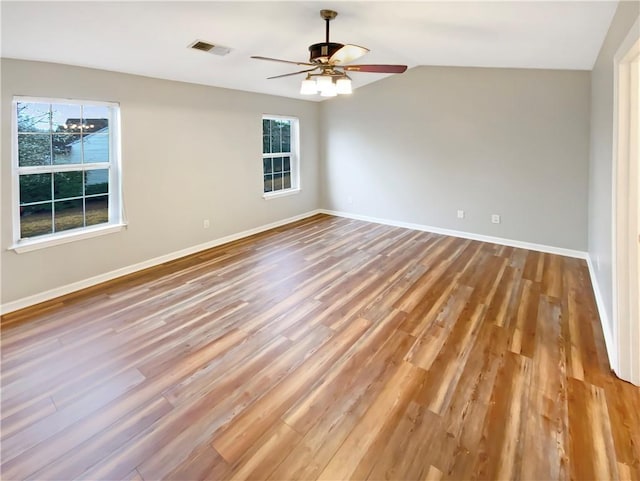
x=326, y=349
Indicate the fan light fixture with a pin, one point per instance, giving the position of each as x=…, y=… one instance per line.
x=324, y=81
x=343, y=86
x=309, y=87
x=331, y=61
x=326, y=86
x=329, y=90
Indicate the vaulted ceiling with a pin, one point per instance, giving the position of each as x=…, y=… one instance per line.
x=152, y=38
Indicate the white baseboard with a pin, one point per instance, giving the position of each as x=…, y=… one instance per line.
x=464, y=235
x=604, y=318
x=92, y=281
x=612, y=352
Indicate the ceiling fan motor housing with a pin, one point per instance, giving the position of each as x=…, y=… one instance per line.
x=321, y=52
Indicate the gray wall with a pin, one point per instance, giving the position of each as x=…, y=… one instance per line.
x=601, y=153
x=412, y=148
x=416, y=147
x=189, y=153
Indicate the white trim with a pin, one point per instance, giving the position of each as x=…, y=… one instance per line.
x=273, y=155
x=116, y=212
x=464, y=235
x=92, y=281
x=42, y=242
x=279, y=117
x=280, y=193
x=604, y=318
x=293, y=154
x=625, y=313
x=62, y=100
x=46, y=169
x=15, y=179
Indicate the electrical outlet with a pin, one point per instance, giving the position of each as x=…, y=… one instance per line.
x=206, y=224
x=349, y=200
x=460, y=214
x=495, y=218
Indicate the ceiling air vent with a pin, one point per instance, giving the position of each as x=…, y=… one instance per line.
x=210, y=48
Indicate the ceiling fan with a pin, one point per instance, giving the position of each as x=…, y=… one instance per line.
x=328, y=60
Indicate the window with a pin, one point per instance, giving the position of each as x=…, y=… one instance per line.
x=66, y=167
x=279, y=155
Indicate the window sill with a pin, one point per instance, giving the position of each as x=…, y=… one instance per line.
x=43, y=242
x=281, y=193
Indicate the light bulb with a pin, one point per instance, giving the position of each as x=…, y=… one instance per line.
x=343, y=86
x=324, y=81
x=329, y=90
x=308, y=87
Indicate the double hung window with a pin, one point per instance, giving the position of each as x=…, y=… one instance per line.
x=279, y=154
x=66, y=169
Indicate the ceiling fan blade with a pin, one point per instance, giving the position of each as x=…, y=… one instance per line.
x=281, y=61
x=375, y=68
x=348, y=53
x=292, y=73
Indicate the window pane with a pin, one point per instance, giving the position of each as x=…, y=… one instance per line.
x=267, y=166
x=268, y=183
x=97, y=210
x=68, y=215
x=66, y=149
x=35, y=188
x=277, y=164
x=96, y=182
x=275, y=137
x=35, y=220
x=33, y=117
x=67, y=184
x=34, y=149
x=286, y=137
x=277, y=181
x=55, y=136
x=65, y=118
x=95, y=147
x=95, y=118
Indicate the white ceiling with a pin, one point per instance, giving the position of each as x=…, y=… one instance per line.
x=151, y=38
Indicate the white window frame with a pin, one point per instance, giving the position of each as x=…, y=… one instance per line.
x=294, y=154
x=623, y=350
x=116, y=216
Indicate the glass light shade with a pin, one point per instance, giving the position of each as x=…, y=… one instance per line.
x=308, y=87
x=348, y=53
x=329, y=90
x=343, y=86
x=324, y=82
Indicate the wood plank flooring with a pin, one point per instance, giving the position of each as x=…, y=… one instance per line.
x=327, y=349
